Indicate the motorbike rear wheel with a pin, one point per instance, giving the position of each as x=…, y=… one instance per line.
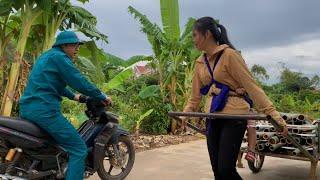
x=113, y=168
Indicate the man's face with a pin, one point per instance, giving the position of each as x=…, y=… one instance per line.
x=71, y=50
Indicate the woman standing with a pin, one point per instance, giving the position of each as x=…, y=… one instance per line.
x=218, y=73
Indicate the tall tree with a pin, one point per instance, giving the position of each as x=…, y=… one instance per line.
x=295, y=81
x=29, y=11
x=172, y=51
x=47, y=16
x=8, y=28
x=315, y=81
x=259, y=72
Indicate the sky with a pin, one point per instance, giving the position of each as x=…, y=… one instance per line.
x=266, y=32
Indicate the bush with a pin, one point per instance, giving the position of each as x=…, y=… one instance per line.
x=132, y=107
x=158, y=122
x=74, y=112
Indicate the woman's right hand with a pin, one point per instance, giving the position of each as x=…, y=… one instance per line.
x=284, y=131
x=282, y=123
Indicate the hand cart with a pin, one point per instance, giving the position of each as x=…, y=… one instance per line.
x=255, y=167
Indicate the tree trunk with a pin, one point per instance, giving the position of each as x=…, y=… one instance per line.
x=2, y=71
x=9, y=93
x=28, y=17
x=173, y=98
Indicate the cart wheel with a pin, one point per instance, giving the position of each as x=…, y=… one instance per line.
x=257, y=165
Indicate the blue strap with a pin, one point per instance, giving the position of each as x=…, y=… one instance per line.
x=205, y=89
x=218, y=102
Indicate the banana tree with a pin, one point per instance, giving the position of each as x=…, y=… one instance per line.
x=29, y=11
x=172, y=50
x=93, y=57
x=85, y=22
x=61, y=14
x=8, y=28
x=92, y=60
x=51, y=15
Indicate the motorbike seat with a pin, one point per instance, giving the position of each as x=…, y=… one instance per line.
x=22, y=126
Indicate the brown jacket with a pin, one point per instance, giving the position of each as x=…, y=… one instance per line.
x=231, y=70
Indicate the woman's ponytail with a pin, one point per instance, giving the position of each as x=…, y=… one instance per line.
x=224, y=36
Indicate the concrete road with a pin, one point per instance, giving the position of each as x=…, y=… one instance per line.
x=190, y=161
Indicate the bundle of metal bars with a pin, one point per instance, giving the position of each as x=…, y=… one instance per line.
x=300, y=128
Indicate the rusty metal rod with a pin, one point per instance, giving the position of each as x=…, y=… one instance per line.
x=288, y=148
x=290, y=126
x=267, y=130
x=190, y=125
x=259, y=128
x=268, y=135
x=296, y=131
x=220, y=115
x=260, y=141
x=260, y=135
x=283, y=140
x=298, y=122
x=309, y=141
x=261, y=147
x=274, y=140
x=286, y=116
x=274, y=147
x=288, y=141
x=306, y=135
x=297, y=151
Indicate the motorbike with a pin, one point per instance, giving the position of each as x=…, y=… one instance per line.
x=28, y=152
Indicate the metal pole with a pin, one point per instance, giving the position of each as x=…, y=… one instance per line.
x=220, y=115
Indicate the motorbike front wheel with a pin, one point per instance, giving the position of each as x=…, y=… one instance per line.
x=119, y=160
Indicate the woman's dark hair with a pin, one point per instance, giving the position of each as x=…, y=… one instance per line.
x=218, y=31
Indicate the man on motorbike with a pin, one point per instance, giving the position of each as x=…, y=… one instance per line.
x=41, y=101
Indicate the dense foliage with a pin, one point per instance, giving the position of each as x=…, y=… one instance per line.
x=28, y=28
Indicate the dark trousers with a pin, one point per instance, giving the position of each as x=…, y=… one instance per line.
x=65, y=135
x=224, y=141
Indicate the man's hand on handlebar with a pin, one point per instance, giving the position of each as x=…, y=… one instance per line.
x=83, y=99
x=77, y=97
x=80, y=98
x=107, y=101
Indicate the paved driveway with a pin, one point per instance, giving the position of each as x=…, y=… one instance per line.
x=190, y=161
